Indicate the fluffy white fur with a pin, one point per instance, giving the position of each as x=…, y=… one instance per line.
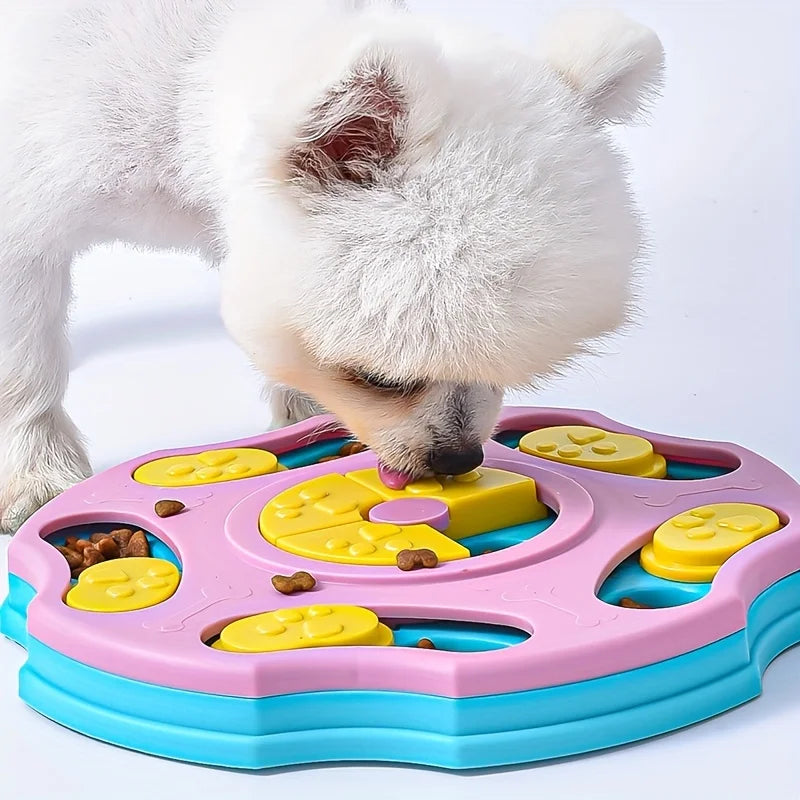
x=409, y=217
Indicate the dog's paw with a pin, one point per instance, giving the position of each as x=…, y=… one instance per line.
x=38, y=466
x=289, y=406
x=27, y=493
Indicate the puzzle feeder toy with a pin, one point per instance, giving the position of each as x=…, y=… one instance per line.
x=589, y=585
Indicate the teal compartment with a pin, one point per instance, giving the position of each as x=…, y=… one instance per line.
x=686, y=471
x=509, y=438
x=631, y=580
x=460, y=637
x=506, y=537
x=454, y=733
x=312, y=453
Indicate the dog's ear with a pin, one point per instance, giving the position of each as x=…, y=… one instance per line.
x=614, y=64
x=382, y=104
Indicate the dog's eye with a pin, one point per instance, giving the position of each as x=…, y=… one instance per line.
x=375, y=381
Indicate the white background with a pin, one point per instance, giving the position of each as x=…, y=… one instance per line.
x=715, y=357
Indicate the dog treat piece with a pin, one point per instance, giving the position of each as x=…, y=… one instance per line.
x=168, y=508
x=628, y=602
x=426, y=644
x=416, y=559
x=299, y=582
x=351, y=448
x=73, y=557
x=328, y=458
x=122, y=536
x=122, y=543
x=137, y=547
x=107, y=548
x=91, y=556
x=74, y=543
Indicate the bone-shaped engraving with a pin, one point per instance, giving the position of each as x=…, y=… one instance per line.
x=649, y=501
x=211, y=594
x=549, y=597
x=94, y=500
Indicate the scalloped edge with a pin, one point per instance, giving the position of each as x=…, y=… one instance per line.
x=457, y=734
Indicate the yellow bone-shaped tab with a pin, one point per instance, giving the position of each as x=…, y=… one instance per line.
x=693, y=546
x=299, y=628
x=594, y=448
x=212, y=466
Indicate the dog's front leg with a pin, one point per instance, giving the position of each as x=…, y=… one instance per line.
x=40, y=449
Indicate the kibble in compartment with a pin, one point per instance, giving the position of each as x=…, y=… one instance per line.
x=85, y=549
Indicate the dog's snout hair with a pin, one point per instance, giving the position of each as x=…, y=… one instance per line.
x=456, y=430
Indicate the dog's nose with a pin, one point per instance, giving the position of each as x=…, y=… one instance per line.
x=456, y=462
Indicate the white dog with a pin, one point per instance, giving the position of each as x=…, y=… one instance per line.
x=408, y=217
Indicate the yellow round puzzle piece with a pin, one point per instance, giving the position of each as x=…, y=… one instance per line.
x=594, y=448
x=300, y=628
x=124, y=584
x=693, y=546
x=211, y=466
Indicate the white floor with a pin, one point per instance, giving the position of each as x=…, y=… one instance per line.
x=715, y=357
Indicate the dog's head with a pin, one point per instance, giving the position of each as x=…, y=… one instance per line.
x=443, y=218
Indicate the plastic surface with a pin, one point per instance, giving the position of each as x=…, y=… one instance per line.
x=370, y=543
x=480, y=501
x=416, y=728
x=629, y=580
x=124, y=584
x=693, y=546
x=327, y=518
x=211, y=466
x=298, y=628
x=595, y=448
x=569, y=669
x=319, y=504
x=412, y=511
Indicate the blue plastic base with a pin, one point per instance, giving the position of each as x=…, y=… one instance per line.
x=412, y=728
x=630, y=580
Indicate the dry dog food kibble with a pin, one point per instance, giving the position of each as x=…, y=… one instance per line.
x=351, y=448
x=168, y=508
x=138, y=546
x=83, y=553
x=91, y=556
x=416, y=559
x=347, y=449
x=121, y=536
x=107, y=548
x=628, y=602
x=426, y=644
x=299, y=582
x=80, y=545
x=74, y=558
